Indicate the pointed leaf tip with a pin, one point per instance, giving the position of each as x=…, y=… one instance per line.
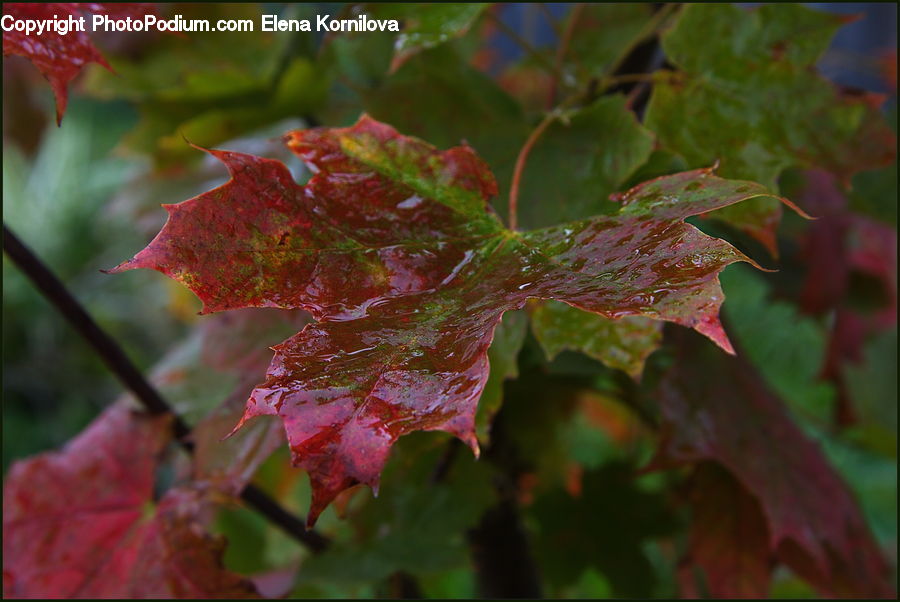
x=392, y=247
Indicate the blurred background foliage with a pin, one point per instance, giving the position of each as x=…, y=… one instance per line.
x=86, y=195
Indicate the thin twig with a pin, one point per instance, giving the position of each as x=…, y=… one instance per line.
x=520, y=167
x=108, y=350
x=551, y=19
x=522, y=43
x=522, y=159
x=561, y=50
x=125, y=370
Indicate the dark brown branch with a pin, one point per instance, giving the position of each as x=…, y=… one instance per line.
x=501, y=554
x=504, y=563
x=289, y=523
x=108, y=350
x=125, y=370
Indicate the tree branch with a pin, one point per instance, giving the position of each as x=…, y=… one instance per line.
x=551, y=19
x=121, y=365
x=523, y=44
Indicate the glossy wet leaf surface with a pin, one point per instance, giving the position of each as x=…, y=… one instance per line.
x=394, y=250
x=58, y=57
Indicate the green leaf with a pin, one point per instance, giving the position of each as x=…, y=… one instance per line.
x=736, y=100
x=427, y=25
x=604, y=527
x=623, y=344
x=604, y=33
x=502, y=354
x=416, y=525
x=786, y=347
x=582, y=158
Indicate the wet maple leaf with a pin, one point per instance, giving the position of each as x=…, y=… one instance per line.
x=716, y=408
x=60, y=58
x=392, y=247
x=82, y=523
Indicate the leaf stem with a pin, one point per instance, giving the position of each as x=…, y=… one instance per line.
x=125, y=370
x=551, y=19
x=522, y=159
x=520, y=167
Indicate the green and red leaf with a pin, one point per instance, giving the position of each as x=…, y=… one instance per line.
x=393, y=248
x=716, y=408
x=735, y=100
x=84, y=522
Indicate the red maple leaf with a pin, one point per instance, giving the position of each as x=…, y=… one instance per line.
x=58, y=57
x=716, y=408
x=82, y=523
x=392, y=247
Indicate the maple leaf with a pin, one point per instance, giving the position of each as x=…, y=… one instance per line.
x=60, y=58
x=735, y=100
x=81, y=523
x=623, y=344
x=604, y=33
x=717, y=409
x=392, y=247
x=837, y=247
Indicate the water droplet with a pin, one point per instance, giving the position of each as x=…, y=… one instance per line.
x=410, y=203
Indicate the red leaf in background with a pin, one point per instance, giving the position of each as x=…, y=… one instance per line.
x=392, y=247
x=60, y=58
x=729, y=535
x=838, y=244
x=235, y=343
x=716, y=408
x=82, y=523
